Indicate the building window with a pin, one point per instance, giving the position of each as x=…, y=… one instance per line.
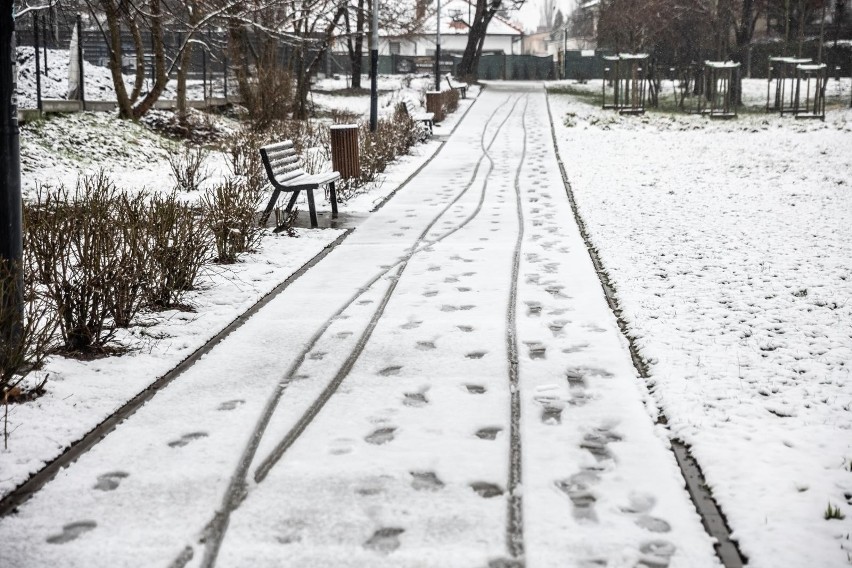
x=395, y=47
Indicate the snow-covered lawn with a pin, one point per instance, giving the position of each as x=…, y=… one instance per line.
x=730, y=245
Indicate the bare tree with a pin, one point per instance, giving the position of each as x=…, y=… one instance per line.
x=485, y=12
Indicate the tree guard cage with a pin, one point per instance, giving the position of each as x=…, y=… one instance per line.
x=721, y=97
x=811, y=81
x=691, y=86
x=782, y=73
x=627, y=75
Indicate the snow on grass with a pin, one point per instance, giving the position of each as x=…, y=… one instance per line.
x=730, y=245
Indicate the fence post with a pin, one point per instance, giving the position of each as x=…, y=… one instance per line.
x=204, y=74
x=225, y=75
x=37, y=61
x=344, y=150
x=44, y=32
x=80, y=60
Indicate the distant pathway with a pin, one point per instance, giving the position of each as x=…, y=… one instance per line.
x=447, y=388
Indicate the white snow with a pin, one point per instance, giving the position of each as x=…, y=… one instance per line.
x=729, y=246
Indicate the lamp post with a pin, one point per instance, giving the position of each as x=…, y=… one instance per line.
x=374, y=70
x=438, y=51
x=11, y=242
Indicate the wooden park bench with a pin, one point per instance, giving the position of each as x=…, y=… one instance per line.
x=427, y=119
x=462, y=89
x=284, y=170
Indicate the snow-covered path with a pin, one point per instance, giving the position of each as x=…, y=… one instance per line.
x=446, y=388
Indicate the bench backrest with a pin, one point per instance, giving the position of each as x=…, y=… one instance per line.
x=281, y=161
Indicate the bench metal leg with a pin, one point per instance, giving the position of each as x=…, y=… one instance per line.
x=269, y=207
x=312, y=209
x=292, y=201
x=333, y=195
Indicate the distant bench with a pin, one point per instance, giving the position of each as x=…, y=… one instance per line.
x=427, y=119
x=462, y=89
x=284, y=169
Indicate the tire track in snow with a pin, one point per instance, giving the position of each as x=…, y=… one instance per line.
x=515, y=521
x=237, y=490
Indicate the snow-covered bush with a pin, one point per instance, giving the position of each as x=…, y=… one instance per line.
x=179, y=249
x=230, y=210
x=89, y=258
x=24, y=343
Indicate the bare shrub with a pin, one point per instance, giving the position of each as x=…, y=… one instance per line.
x=127, y=293
x=179, y=250
x=230, y=211
x=451, y=101
x=393, y=137
x=25, y=341
x=83, y=257
x=268, y=93
x=188, y=167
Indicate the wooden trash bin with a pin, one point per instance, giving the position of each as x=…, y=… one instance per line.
x=344, y=150
x=435, y=104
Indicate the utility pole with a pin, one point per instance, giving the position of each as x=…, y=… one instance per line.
x=11, y=241
x=438, y=51
x=374, y=70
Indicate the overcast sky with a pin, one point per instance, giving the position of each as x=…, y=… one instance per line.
x=530, y=14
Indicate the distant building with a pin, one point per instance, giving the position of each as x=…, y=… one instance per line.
x=503, y=36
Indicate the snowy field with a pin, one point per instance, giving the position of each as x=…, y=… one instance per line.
x=60, y=148
x=730, y=245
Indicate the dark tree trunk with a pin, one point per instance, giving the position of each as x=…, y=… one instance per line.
x=468, y=67
x=356, y=47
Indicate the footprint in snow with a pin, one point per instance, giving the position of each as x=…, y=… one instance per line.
x=506, y=563
x=110, y=481
x=476, y=355
x=489, y=433
x=537, y=350
x=434, y=268
x=230, y=404
x=411, y=325
x=596, y=442
x=578, y=489
x=475, y=389
x=72, y=531
x=556, y=327
x=486, y=490
x=425, y=345
x=364, y=302
x=415, y=399
x=317, y=355
x=384, y=540
x=430, y=293
x=580, y=347
x=465, y=328
x=655, y=554
x=653, y=524
x=341, y=446
x=533, y=309
x=344, y=334
x=381, y=436
x=425, y=481
x=186, y=439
